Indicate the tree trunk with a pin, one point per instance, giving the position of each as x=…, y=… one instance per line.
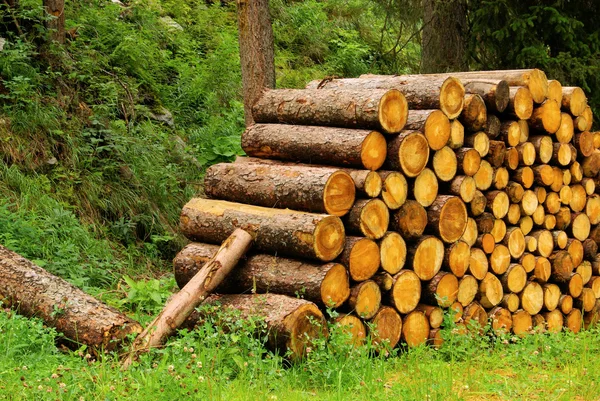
x=325, y=284
x=56, y=23
x=256, y=51
x=287, y=232
x=82, y=319
x=378, y=109
x=319, y=145
x=444, y=38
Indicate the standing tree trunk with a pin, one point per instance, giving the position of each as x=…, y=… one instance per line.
x=256, y=51
x=56, y=24
x=444, y=36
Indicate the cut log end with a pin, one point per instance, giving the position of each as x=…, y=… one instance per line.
x=428, y=258
x=452, y=94
x=387, y=328
x=393, y=111
x=437, y=130
x=413, y=154
x=373, y=151
x=304, y=324
x=393, y=252
x=339, y=194
x=406, y=292
x=415, y=329
x=329, y=238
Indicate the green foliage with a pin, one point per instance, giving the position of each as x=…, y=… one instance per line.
x=148, y=295
x=559, y=37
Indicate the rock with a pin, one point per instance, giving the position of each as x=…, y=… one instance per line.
x=163, y=115
x=171, y=23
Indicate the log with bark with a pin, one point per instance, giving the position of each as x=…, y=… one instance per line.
x=378, y=109
x=80, y=318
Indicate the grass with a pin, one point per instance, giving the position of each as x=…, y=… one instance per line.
x=209, y=363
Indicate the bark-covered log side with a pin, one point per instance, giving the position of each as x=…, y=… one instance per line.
x=82, y=319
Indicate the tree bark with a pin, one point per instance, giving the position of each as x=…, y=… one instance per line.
x=56, y=23
x=444, y=38
x=257, y=55
x=82, y=319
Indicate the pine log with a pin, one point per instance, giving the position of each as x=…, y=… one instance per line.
x=542, y=270
x=496, y=153
x=520, y=103
x=468, y=287
x=584, y=143
x=524, y=128
x=464, y=186
x=82, y=319
x=501, y=178
x=574, y=321
x=378, y=109
x=420, y=92
x=353, y=327
x=524, y=176
x=497, y=203
x=447, y=215
x=590, y=186
x=543, y=147
x=592, y=209
x=368, y=217
x=514, y=214
x=528, y=262
x=511, y=159
x=586, y=301
x=408, y=152
x=566, y=130
x=470, y=235
x=588, y=115
x=485, y=223
x=590, y=166
x=528, y=204
x=552, y=296
x=480, y=142
x=555, y=90
x=559, y=179
x=594, y=284
x=415, y=329
x=580, y=226
x=495, y=93
x=533, y=79
x=478, y=264
x=499, y=259
x=532, y=298
x=499, y=230
x=510, y=302
x=292, y=324
x=486, y=243
x=312, y=189
x=562, y=266
x=474, y=113
x=457, y=135
x=394, y=189
x=441, y=290
x=566, y=195
x=410, y=220
x=457, y=257
x=384, y=280
x=492, y=126
x=515, y=241
x=522, y=323
x=436, y=338
x=433, y=124
x=545, y=242
x=445, y=164
x=484, y=176
x=560, y=239
x=434, y=314
x=554, y=321
x=575, y=285
x=324, y=284
x=591, y=319
x=490, y=291
x=427, y=257
x=510, y=133
x=565, y=304
x=202, y=284
x=283, y=231
x=539, y=216
x=546, y=117
x=425, y=187
x=575, y=249
x=514, y=279
x=526, y=224
x=405, y=294
x=500, y=319
x=527, y=153
x=563, y=218
x=393, y=252
x=386, y=328
x=469, y=161
x=475, y=315
x=319, y=145
x=573, y=100
x=361, y=256
x=365, y=299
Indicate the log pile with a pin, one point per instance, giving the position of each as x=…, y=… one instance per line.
x=393, y=199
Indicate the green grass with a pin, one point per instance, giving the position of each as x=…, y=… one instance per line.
x=211, y=364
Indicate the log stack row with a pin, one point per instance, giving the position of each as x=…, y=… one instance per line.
x=394, y=198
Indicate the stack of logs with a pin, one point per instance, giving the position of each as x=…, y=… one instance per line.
x=393, y=198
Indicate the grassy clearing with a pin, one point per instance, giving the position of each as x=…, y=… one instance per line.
x=208, y=363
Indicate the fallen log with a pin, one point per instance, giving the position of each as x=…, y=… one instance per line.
x=79, y=317
x=182, y=304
